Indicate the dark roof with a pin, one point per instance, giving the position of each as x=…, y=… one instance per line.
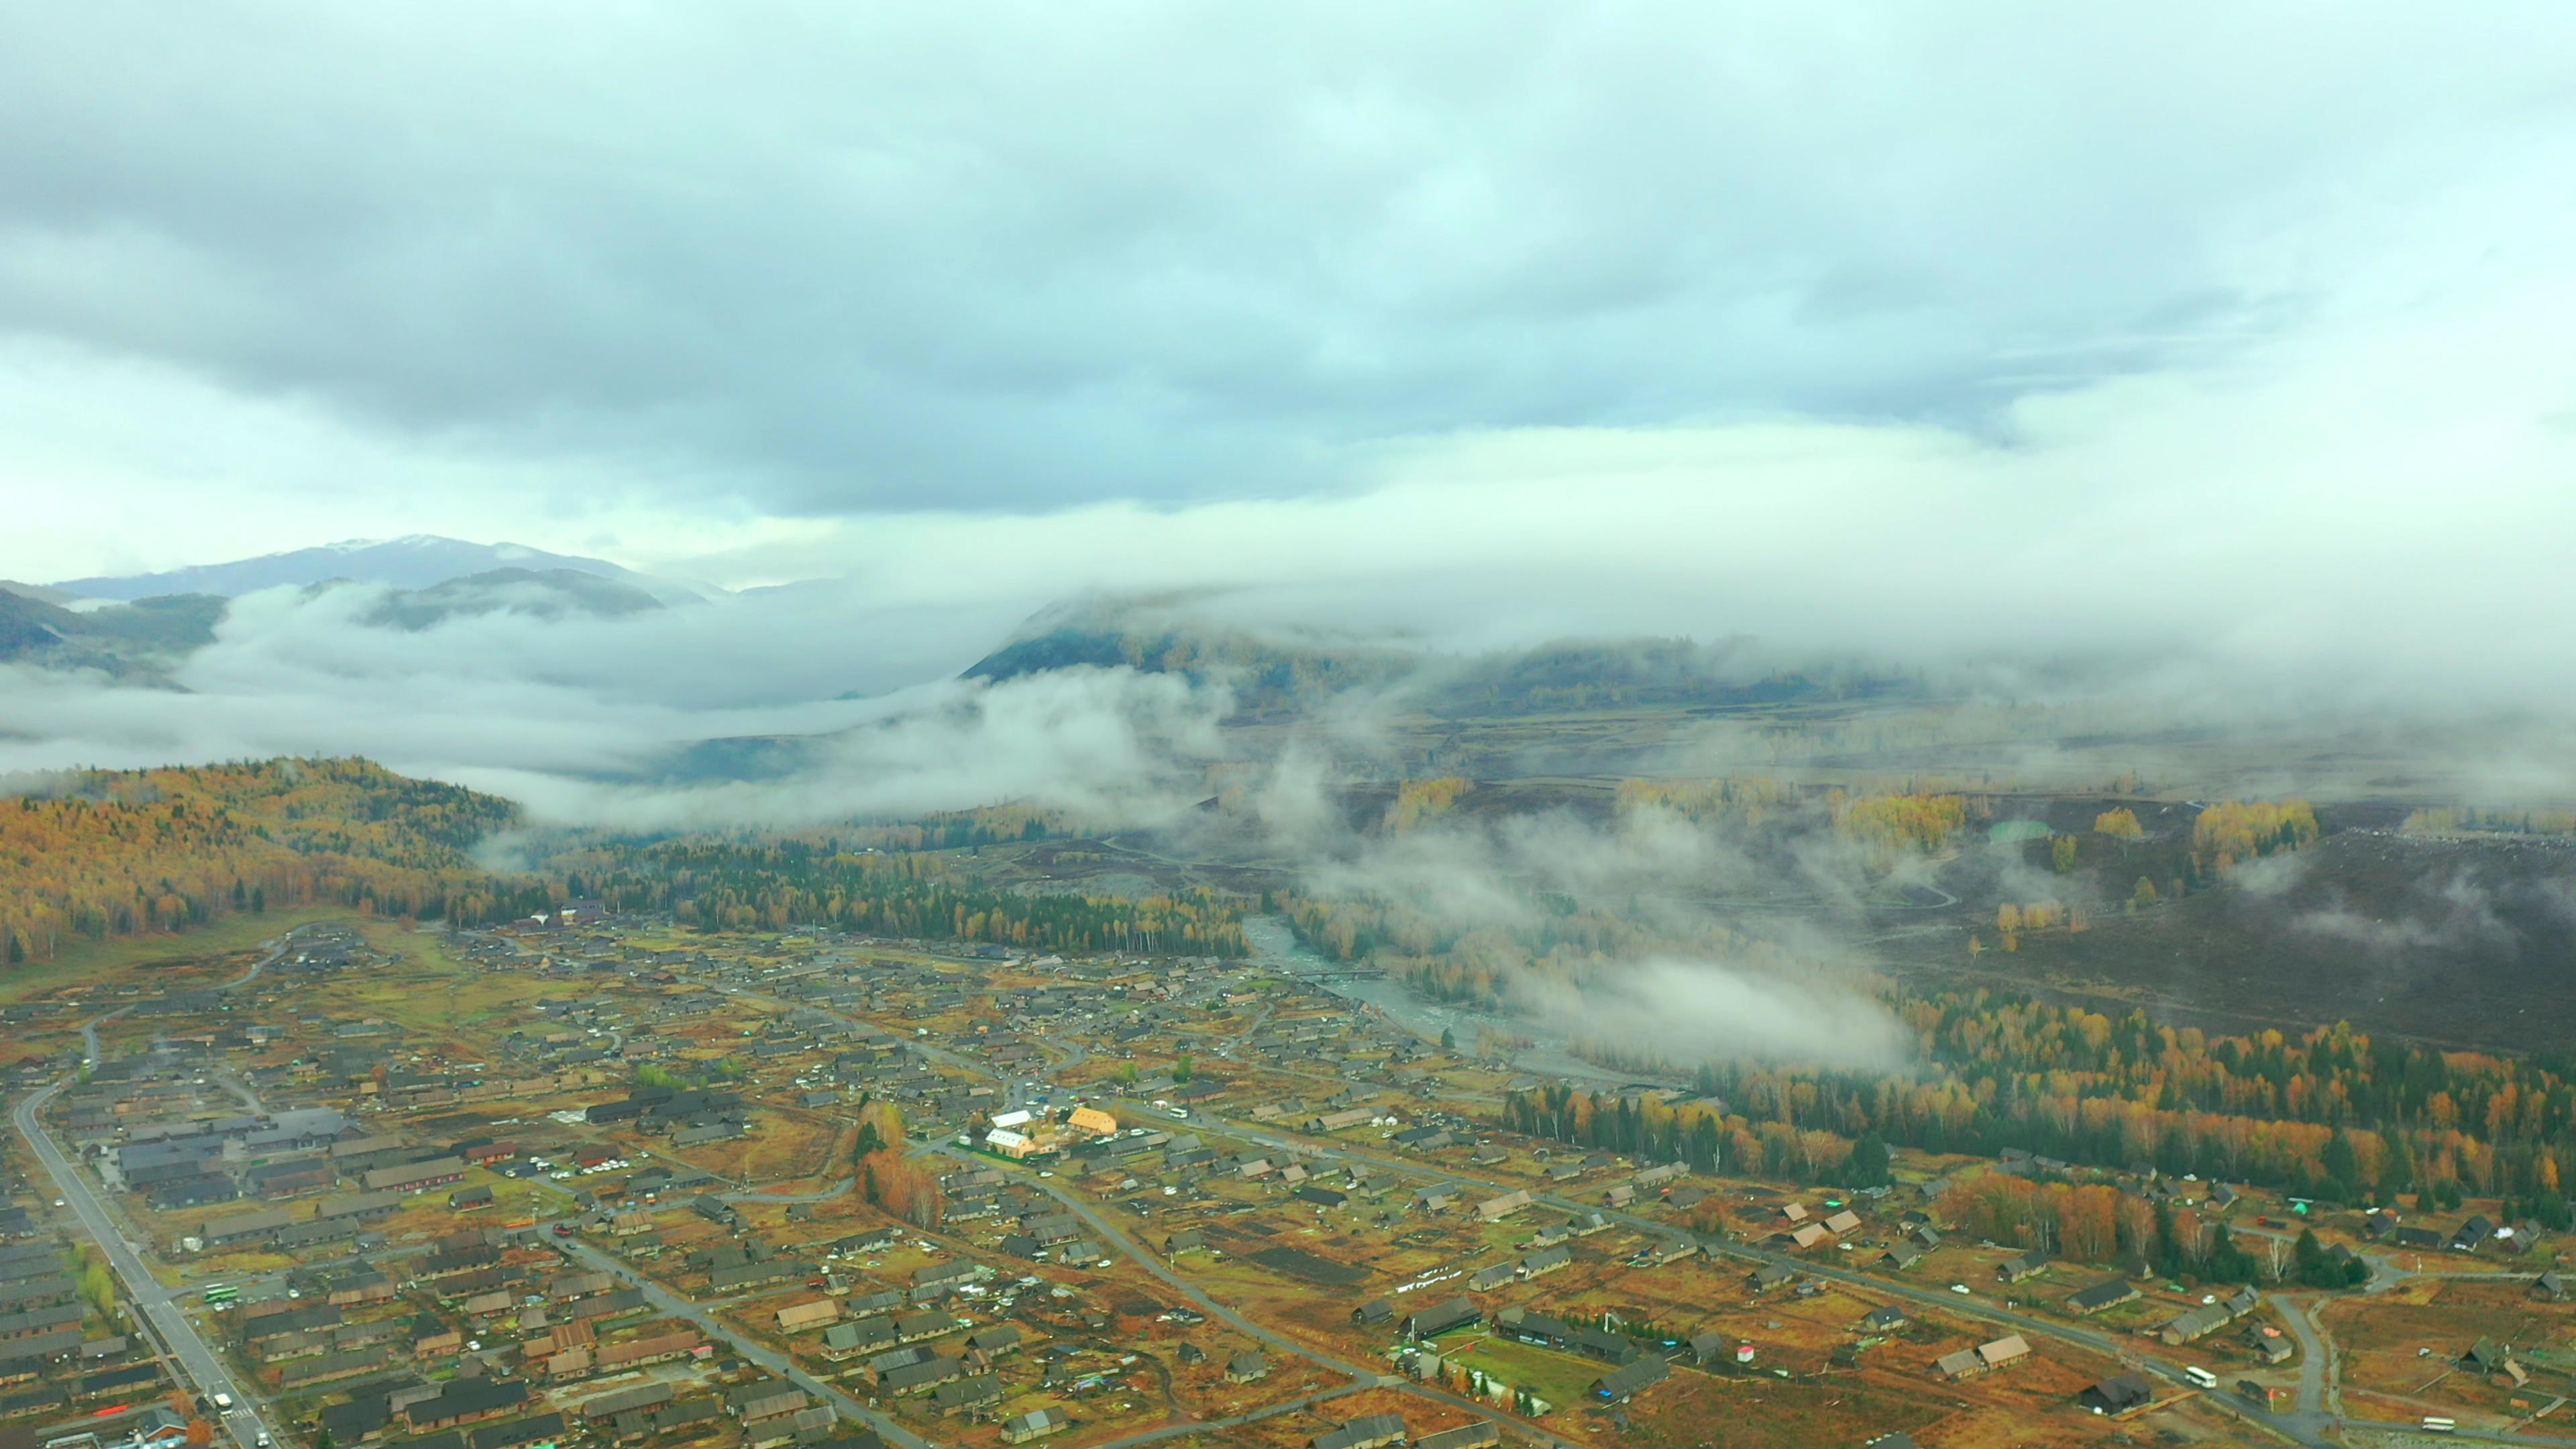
x=464, y=1397
x=2118, y=1392
x=2103, y=1294
x=1626, y=1381
x=979, y=1389
x=356, y=1419
x=1441, y=1317
x=516, y=1432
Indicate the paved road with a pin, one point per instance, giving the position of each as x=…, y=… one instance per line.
x=1361, y=1376
x=143, y=1291
x=2306, y=1425
x=2288, y=1425
x=2475, y=1436
x=159, y=1306
x=2317, y=1408
x=1154, y=1264
x=2293, y=1426
x=1185, y=1427
x=277, y=947
x=89, y=1032
x=838, y=1189
x=751, y=1350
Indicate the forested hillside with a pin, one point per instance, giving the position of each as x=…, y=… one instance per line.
x=2333, y=1113
x=115, y=853
x=1271, y=676
x=768, y=883
x=109, y=853
x=140, y=640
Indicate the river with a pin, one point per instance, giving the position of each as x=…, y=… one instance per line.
x=1275, y=947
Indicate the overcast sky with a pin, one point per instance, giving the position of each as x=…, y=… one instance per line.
x=1970, y=325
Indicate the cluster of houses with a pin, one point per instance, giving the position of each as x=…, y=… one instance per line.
x=326, y=1182
x=689, y=1116
x=1026, y=1133
x=1984, y=1358
x=1799, y=1228
x=2477, y=1233
x=58, y=1357
x=2208, y=1318
x=1374, y=1431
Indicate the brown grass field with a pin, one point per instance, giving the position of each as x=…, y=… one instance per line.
x=202, y=953
x=2382, y=1339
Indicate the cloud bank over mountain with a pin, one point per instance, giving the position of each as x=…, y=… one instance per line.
x=2179, y=346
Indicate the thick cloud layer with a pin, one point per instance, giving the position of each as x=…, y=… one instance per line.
x=665, y=266
x=1688, y=1012
x=580, y=718
x=2223, y=358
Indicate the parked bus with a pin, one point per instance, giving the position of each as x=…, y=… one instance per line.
x=2437, y=1424
x=2201, y=1376
x=222, y=1295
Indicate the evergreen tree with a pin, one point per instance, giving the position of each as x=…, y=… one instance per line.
x=1868, y=1164
x=2312, y=1267
x=2343, y=1167
x=2227, y=1262
x=2396, y=1169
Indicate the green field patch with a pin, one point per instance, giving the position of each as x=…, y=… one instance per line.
x=1560, y=1378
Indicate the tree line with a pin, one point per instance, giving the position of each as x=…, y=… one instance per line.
x=122, y=853
x=2332, y=1114
x=133, y=852
x=753, y=883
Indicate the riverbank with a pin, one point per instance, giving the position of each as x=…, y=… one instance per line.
x=1276, y=948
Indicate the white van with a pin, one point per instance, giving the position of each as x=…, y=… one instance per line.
x=223, y=1401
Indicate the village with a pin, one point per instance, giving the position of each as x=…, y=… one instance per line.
x=589, y=1180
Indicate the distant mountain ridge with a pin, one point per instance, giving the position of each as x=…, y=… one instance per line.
x=138, y=642
x=1272, y=678
x=415, y=561
x=38, y=592
x=145, y=640
x=543, y=593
